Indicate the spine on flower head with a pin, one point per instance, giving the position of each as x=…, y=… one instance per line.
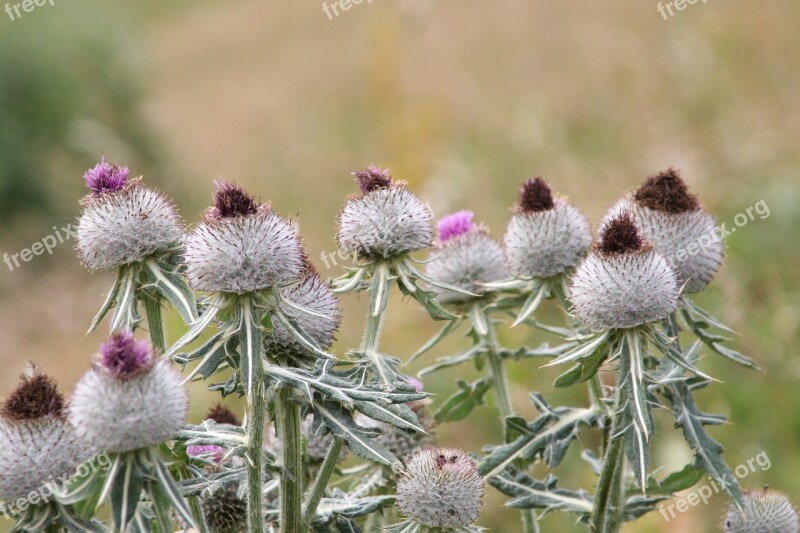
x=546, y=236
x=624, y=283
x=467, y=258
x=386, y=221
x=129, y=399
x=440, y=488
x=242, y=246
x=37, y=443
x=123, y=222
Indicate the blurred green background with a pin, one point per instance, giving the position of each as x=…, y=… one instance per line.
x=461, y=99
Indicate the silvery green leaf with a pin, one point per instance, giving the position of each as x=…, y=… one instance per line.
x=543, y=350
x=212, y=433
x=126, y=315
x=529, y=493
x=699, y=328
x=425, y=297
x=708, y=452
x=382, y=366
x=213, y=356
x=632, y=374
x=350, y=281
x=538, y=293
x=397, y=415
x=672, y=351
x=453, y=360
x=300, y=334
x=250, y=347
x=639, y=505
x=679, y=481
x=111, y=298
x=449, y=328
x=584, y=370
x=196, y=329
x=462, y=402
x=341, y=505
x=548, y=437
x=126, y=489
x=170, y=284
x=359, y=440
x=586, y=348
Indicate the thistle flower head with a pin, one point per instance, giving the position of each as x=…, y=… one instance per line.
x=315, y=295
x=223, y=415
x=373, y=179
x=231, y=201
x=216, y=453
x=125, y=406
x=624, y=283
x=440, y=487
x=37, y=444
x=105, y=177
x=467, y=259
x=764, y=510
x=387, y=220
x=124, y=226
x=546, y=236
x=123, y=357
x=681, y=230
x=238, y=250
x=225, y=511
x=535, y=196
x=454, y=225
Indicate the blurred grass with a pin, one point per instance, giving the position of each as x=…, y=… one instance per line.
x=463, y=101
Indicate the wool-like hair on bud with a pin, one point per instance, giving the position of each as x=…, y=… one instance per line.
x=763, y=511
x=679, y=227
x=467, y=257
x=242, y=247
x=37, y=444
x=440, y=487
x=224, y=510
x=387, y=220
x=129, y=399
x=315, y=295
x=122, y=221
x=623, y=283
x=546, y=235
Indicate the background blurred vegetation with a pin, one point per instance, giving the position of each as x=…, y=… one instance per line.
x=463, y=100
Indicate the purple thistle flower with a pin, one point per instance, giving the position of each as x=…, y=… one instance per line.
x=217, y=453
x=231, y=201
x=105, y=177
x=123, y=356
x=373, y=179
x=454, y=225
x=417, y=384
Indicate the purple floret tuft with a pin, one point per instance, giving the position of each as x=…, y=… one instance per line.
x=105, y=177
x=217, y=453
x=454, y=225
x=123, y=356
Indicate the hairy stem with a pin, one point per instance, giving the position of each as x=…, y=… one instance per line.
x=503, y=395
x=257, y=409
x=321, y=483
x=155, y=322
x=291, y=480
x=608, y=502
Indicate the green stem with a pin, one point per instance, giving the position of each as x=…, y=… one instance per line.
x=372, y=332
x=321, y=483
x=155, y=322
x=291, y=481
x=608, y=502
x=504, y=404
x=257, y=409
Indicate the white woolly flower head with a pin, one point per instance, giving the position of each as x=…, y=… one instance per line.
x=387, y=220
x=678, y=226
x=546, y=236
x=125, y=223
x=467, y=257
x=37, y=443
x=242, y=246
x=624, y=283
x=315, y=295
x=440, y=487
x=129, y=399
x=764, y=511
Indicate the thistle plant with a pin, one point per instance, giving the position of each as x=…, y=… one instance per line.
x=348, y=443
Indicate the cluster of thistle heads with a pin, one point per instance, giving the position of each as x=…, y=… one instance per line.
x=131, y=398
